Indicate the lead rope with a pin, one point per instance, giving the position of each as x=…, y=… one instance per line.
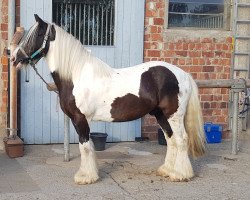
x=37, y=73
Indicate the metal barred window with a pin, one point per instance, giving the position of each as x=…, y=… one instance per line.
x=198, y=13
x=90, y=21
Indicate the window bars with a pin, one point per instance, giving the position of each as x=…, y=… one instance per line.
x=90, y=21
x=197, y=13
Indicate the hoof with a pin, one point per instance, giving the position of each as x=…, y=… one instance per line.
x=163, y=171
x=83, y=180
x=173, y=175
x=177, y=177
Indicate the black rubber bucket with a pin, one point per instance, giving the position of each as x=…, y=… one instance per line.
x=161, y=137
x=99, y=140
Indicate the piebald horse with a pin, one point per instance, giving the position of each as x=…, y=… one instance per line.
x=89, y=89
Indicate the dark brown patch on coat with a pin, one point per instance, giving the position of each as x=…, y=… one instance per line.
x=158, y=95
x=68, y=105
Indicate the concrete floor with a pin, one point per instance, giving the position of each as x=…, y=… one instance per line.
x=127, y=171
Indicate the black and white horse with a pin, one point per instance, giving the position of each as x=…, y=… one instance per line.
x=89, y=90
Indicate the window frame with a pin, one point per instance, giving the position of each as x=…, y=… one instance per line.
x=226, y=15
x=114, y=23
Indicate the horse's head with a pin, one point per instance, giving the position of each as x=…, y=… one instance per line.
x=35, y=44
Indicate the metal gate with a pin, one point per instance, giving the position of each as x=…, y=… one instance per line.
x=41, y=117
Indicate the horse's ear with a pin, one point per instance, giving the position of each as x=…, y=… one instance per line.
x=38, y=19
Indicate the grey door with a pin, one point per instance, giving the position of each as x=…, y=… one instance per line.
x=41, y=117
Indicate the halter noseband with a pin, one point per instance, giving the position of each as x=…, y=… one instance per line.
x=29, y=58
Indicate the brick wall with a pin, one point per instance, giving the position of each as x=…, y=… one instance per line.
x=4, y=64
x=205, y=54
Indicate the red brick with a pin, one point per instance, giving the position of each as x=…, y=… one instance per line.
x=198, y=46
x=181, y=61
x=194, y=54
x=223, y=105
x=206, y=40
x=229, y=40
x=171, y=46
x=151, y=13
x=206, y=97
x=153, y=53
x=4, y=27
x=216, y=111
x=156, y=37
x=4, y=60
x=195, y=61
x=4, y=10
x=211, y=47
x=225, y=47
x=209, y=54
x=158, y=21
x=147, y=45
x=228, y=55
x=175, y=61
x=179, y=46
x=181, y=53
x=195, y=68
x=154, y=29
x=4, y=35
x=5, y=68
x=5, y=84
x=206, y=105
x=169, y=53
x=201, y=61
x=219, y=46
x=147, y=37
x=5, y=19
x=214, y=105
x=204, y=46
x=191, y=46
x=4, y=108
x=185, y=46
x=4, y=76
x=208, y=69
x=168, y=60
x=162, y=13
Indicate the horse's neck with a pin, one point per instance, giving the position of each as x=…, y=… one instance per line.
x=67, y=57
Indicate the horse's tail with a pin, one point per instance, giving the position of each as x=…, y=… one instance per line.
x=194, y=123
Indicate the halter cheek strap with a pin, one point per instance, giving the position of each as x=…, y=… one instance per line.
x=44, y=43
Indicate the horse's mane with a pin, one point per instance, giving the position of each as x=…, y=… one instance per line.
x=70, y=57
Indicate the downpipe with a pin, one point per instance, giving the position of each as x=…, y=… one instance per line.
x=13, y=74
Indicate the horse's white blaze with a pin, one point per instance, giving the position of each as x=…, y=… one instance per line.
x=88, y=172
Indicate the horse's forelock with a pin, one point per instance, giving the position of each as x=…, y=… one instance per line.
x=29, y=38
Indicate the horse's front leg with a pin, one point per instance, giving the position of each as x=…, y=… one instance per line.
x=88, y=172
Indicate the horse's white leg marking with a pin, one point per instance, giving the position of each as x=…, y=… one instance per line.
x=168, y=166
x=182, y=169
x=88, y=172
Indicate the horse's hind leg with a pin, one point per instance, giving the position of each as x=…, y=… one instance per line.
x=88, y=172
x=182, y=169
x=177, y=165
x=168, y=166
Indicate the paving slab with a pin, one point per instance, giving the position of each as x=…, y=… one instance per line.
x=127, y=171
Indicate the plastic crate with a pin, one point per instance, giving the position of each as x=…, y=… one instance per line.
x=213, y=132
